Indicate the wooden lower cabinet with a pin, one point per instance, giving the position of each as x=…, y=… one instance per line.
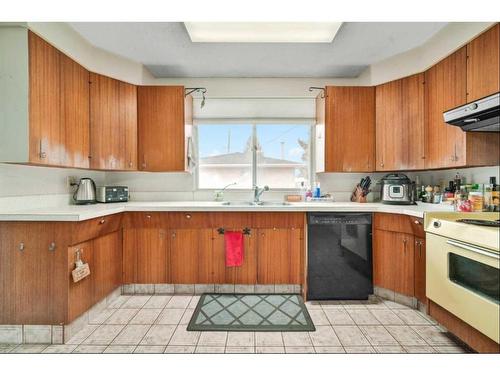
x=419, y=270
x=393, y=261
x=278, y=256
x=33, y=272
x=145, y=256
x=107, y=273
x=80, y=294
x=247, y=273
x=190, y=255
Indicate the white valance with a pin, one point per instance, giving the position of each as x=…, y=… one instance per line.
x=255, y=109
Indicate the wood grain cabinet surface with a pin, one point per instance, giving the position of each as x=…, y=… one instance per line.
x=145, y=255
x=247, y=272
x=393, y=261
x=107, y=259
x=400, y=124
x=448, y=146
x=279, y=256
x=161, y=121
x=349, y=129
x=45, y=130
x=419, y=248
x=113, y=124
x=80, y=294
x=483, y=64
x=58, y=107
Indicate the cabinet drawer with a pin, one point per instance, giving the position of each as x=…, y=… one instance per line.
x=417, y=225
x=278, y=220
x=392, y=222
x=187, y=220
x=234, y=220
x=93, y=228
x=146, y=220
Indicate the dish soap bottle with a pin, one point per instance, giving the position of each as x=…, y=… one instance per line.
x=317, y=191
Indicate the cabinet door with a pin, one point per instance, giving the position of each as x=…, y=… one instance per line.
x=80, y=294
x=113, y=124
x=128, y=124
x=279, y=256
x=384, y=259
x=161, y=128
x=445, y=88
x=350, y=129
x=107, y=264
x=400, y=124
x=145, y=256
x=75, y=101
x=247, y=272
x=45, y=133
x=420, y=269
x=404, y=264
x=483, y=64
x=33, y=273
x=186, y=248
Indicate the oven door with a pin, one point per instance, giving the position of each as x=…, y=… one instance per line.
x=464, y=279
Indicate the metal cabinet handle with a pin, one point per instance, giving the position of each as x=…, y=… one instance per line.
x=102, y=221
x=173, y=234
x=381, y=164
x=42, y=154
x=404, y=245
x=52, y=246
x=148, y=216
x=21, y=246
x=130, y=164
x=188, y=216
x=417, y=222
x=473, y=248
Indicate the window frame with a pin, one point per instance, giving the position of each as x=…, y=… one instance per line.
x=253, y=123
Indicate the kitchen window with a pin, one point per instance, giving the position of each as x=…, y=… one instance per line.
x=247, y=154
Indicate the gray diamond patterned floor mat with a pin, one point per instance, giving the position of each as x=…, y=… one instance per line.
x=251, y=312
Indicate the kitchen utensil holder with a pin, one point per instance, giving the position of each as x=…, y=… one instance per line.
x=357, y=195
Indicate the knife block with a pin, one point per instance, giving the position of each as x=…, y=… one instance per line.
x=357, y=195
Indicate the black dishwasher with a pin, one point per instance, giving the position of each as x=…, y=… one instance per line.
x=339, y=256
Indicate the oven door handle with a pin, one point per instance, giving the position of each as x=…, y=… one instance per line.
x=473, y=248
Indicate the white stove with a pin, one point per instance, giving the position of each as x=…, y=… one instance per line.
x=462, y=267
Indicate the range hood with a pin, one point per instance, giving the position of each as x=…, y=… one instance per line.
x=483, y=115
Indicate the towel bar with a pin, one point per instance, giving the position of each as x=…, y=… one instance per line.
x=246, y=231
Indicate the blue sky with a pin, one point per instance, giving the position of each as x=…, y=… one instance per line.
x=213, y=139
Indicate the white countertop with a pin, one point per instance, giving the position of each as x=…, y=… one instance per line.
x=79, y=213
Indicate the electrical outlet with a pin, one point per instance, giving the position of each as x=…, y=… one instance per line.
x=70, y=181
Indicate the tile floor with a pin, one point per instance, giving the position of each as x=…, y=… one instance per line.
x=157, y=324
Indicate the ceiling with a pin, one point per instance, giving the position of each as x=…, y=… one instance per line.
x=167, y=51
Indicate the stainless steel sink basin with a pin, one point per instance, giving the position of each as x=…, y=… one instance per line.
x=258, y=204
x=238, y=204
x=273, y=204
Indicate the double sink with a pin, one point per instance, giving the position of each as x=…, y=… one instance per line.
x=258, y=204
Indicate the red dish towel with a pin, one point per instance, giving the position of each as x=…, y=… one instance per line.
x=234, y=248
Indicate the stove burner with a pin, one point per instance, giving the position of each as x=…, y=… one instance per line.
x=484, y=223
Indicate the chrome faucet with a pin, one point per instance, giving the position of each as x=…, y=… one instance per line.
x=219, y=194
x=257, y=192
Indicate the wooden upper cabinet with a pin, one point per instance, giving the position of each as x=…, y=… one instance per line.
x=75, y=121
x=400, y=124
x=161, y=121
x=349, y=129
x=483, y=64
x=113, y=124
x=45, y=131
x=445, y=88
